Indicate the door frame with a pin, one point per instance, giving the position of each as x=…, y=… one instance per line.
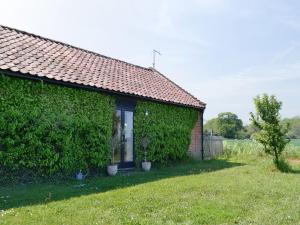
x=125, y=104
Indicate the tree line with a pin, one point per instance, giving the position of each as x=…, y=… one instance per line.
x=229, y=125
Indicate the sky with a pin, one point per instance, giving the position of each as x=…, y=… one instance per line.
x=224, y=52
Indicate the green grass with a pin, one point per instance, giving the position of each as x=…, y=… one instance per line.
x=244, y=191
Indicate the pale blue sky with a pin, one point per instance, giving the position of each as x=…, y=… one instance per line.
x=222, y=51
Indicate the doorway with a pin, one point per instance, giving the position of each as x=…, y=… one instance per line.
x=124, y=154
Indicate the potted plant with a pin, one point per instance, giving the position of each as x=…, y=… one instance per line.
x=112, y=169
x=146, y=165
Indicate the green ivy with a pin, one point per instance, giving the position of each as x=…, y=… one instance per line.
x=48, y=129
x=168, y=127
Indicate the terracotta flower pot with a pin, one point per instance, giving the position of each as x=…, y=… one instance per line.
x=112, y=170
x=146, y=166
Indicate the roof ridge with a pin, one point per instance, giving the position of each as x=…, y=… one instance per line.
x=164, y=76
x=72, y=46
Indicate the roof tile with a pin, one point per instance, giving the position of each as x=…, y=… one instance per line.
x=37, y=56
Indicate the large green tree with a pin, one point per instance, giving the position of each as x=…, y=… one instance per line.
x=272, y=134
x=211, y=126
x=227, y=124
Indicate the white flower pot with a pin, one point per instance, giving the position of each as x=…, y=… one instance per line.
x=146, y=166
x=112, y=170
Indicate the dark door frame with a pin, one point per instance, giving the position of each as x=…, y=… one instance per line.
x=124, y=104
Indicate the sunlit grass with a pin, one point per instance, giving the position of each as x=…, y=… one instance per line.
x=212, y=192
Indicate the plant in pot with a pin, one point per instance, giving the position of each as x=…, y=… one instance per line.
x=146, y=165
x=112, y=169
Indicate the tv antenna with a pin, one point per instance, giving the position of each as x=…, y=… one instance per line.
x=154, y=54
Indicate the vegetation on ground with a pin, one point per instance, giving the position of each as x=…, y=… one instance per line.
x=252, y=149
x=240, y=187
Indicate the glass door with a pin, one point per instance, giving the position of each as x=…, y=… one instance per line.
x=124, y=154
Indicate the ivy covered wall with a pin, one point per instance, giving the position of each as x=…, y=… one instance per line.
x=168, y=127
x=48, y=129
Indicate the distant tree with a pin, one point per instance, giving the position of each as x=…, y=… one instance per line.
x=247, y=132
x=229, y=125
x=271, y=134
x=211, y=126
x=243, y=133
x=294, y=131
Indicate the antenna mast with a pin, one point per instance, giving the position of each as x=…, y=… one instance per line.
x=154, y=53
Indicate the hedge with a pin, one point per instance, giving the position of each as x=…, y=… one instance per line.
x=49, y=129
x=169, y=129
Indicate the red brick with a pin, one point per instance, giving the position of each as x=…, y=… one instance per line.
x=195, y=147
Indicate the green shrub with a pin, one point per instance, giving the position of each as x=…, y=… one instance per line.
x=49, y=129
x=169, y=129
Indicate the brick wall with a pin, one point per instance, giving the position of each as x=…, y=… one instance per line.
x=196, y=138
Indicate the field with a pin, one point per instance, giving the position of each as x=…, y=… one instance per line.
x=241, y=187
x=241, y=148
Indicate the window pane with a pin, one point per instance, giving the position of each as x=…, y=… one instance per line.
x=117, y=127
x=128, y=132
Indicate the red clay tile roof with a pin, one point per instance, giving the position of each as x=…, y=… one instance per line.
x=41, y=57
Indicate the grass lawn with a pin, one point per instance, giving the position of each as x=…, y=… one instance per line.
x=234, y=191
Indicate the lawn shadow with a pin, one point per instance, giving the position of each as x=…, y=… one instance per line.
x=286, y=166
x=295, y=171
x=31, y=194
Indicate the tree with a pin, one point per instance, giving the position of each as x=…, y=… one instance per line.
x=294, y=131
x=229, y=125
x=247, y=132
x=271, y=134
x=211, y=126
